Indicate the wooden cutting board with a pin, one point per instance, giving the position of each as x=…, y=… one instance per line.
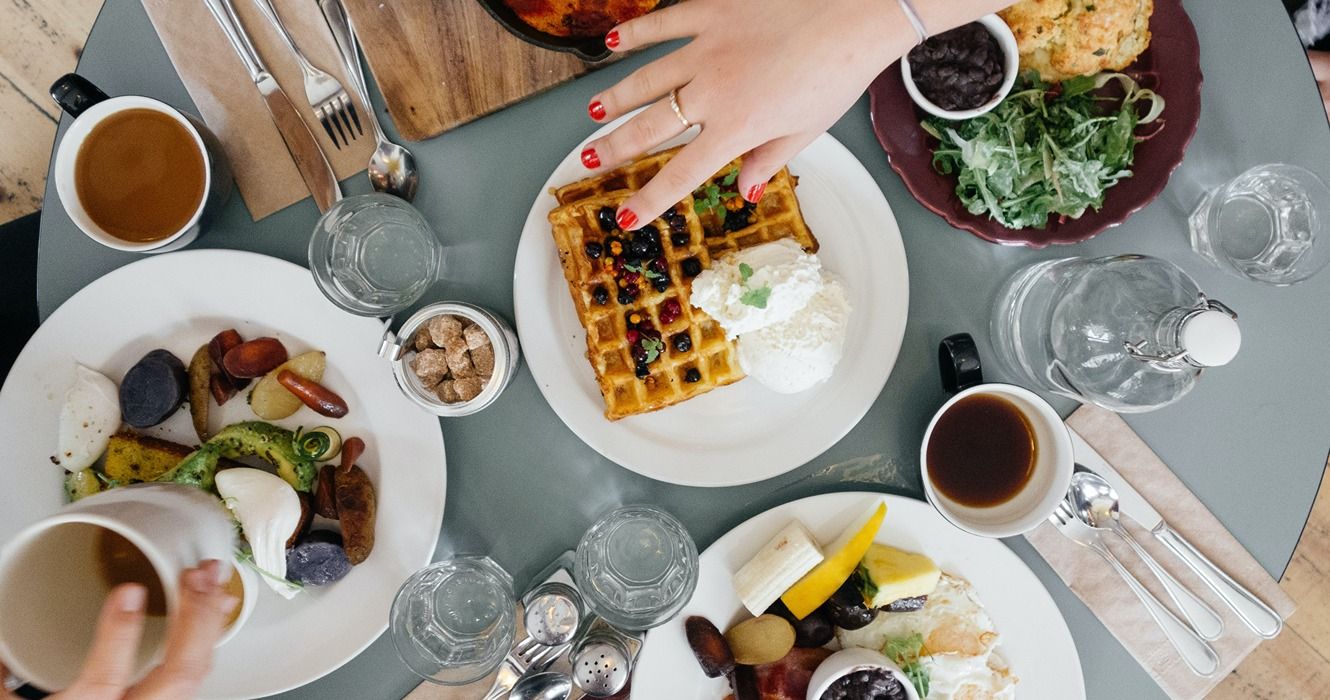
x=442, y=63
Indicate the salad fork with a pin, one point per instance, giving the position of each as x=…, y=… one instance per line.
x=526, y=655
x=1199, y=656
x=331, y=105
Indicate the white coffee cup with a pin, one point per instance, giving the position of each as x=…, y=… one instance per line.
x=90, y=106
x=52, y=589
x=1054, y=459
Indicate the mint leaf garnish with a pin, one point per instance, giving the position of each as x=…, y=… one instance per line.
x=756, y=298
x=731, y=177
x=653, y=346
x=745, y=271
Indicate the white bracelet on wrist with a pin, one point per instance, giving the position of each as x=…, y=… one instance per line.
x=910, y=14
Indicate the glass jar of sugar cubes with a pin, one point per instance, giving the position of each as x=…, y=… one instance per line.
x=452, y=358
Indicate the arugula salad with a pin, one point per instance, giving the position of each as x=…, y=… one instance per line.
x=1046, y=150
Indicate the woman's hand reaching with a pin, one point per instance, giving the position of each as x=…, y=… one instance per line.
x=108, y=671
x=762, y=79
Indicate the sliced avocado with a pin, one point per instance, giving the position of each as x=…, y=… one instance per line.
x=264, y=440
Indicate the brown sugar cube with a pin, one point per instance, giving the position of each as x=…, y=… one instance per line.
x=475, y=337
x=430, y=366
x=443, y=329
x=459, y=360
x=469, y=388
x=447, y=391
x=421, y=341
x=482, y=358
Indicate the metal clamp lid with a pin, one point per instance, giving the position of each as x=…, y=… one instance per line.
x=1218, y=350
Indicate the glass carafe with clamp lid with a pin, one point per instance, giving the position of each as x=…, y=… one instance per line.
x=1130, y=333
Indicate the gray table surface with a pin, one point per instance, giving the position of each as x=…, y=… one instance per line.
x=1250, y=440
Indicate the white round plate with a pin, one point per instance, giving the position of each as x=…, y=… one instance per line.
x=178, y=301
x=744, y=432
x=1035, y=638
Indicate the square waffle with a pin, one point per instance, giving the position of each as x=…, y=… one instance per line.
x=744, y=225
x=632, y=290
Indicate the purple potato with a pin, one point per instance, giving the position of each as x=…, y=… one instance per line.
x=317, y=563
x=153, y=389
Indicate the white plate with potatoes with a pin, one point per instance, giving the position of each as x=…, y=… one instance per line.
x=177, y=302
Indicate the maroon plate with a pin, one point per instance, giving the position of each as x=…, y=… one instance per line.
x=1170, y=67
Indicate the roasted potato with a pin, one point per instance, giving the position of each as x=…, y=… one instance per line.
x=356, y=508
x=200, y=390
x=271, y=401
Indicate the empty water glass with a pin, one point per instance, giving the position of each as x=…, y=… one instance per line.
x=374, y=254
x=1266, y=224
x=636, y=567
x=453, y=622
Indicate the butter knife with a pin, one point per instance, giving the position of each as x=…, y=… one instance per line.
x=1258, y=616
x=309, y=157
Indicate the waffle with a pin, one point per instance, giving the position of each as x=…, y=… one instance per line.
x=635, y=313
x=776, y=216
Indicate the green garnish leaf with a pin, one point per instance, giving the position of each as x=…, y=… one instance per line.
x=632, y=267
x=652, y=274
x=1044, y=153
x=756, y=298
x=865, y=582
x=731, y=178
x=745, y=271
x=903, y=650
x=653, y=346
x=918, y=676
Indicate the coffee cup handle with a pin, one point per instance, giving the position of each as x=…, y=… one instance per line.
x=75, y=94
x=958, y=363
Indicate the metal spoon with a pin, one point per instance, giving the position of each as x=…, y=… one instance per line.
x=392, y=168
x=550, y=685
x=1096, y=504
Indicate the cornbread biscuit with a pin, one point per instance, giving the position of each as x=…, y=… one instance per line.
x=1065, y=38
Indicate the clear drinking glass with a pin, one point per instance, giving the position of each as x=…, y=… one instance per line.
x=453, y=622
x=636, y=567
x=374, y=254
x=1265, y=224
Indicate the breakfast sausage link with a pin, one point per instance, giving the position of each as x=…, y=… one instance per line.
x=313, y=394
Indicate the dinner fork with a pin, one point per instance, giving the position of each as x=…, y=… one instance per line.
x=332, y=106
x=1199, y=656
x=526, y=655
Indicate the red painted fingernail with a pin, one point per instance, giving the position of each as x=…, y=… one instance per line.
x=596, y=110
x=590, y=159
x=755, y=192
x=612, y=39
x=626, y=219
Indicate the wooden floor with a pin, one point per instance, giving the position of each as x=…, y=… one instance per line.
x=41, y=40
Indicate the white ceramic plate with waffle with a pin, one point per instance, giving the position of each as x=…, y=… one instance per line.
x=743, y=432
x=177, y=301
x=1034, y=639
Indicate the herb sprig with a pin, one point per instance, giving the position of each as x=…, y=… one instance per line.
x=1044, y=152
x=653, y=346
x=754, y=297
x=905, y=651
x=710, y=197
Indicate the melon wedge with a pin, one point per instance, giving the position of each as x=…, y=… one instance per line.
x=842, y=557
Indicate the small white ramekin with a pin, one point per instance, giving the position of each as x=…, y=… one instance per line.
x=847, y=661
x=1010, y=68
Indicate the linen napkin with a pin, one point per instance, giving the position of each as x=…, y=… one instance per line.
x=1113, y=603
x=231, y=106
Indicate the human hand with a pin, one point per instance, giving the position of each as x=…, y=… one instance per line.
x=199, y=623
x=1320, y=61
x=762, y=79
